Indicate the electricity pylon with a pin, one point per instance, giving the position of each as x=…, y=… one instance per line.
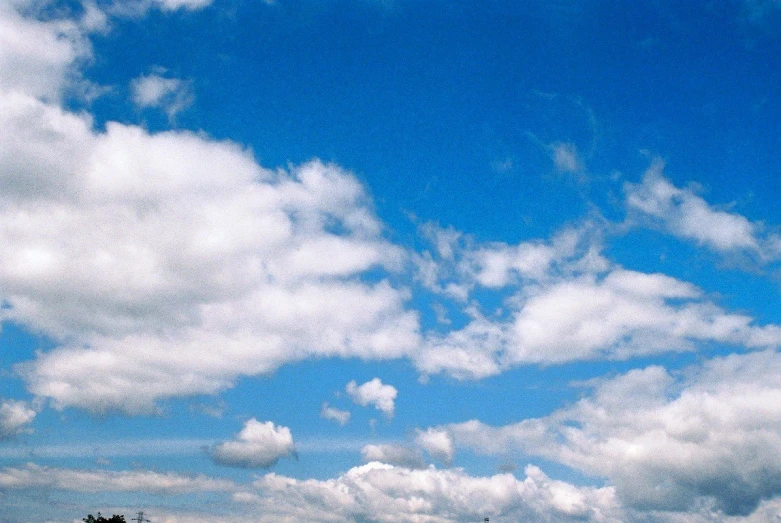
x=140, y=518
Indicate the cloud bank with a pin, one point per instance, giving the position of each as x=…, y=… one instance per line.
x=710, y=438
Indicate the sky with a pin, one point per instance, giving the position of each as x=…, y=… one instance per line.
x=390, y=260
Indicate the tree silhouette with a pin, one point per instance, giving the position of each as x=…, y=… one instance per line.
x=100, y=519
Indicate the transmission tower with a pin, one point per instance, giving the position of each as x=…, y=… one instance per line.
x=140, y=518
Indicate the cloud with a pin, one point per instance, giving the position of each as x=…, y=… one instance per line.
x=172, y=95
x=173, y=5
x=686, y=215
x=138, y=8
x=170, y=264
x=258, y=445
x=394, y=454
x=33, y=476
x=381, y=492
x=438, y=443
x=375, y=393
x=38, y=57
x=334, y=414
x=563, y=301
x=709, y=438
x=14, y=418
x=565, y=158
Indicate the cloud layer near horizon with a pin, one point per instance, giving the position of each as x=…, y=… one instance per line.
x=711, y=437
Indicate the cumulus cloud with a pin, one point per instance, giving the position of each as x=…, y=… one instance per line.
x=15, y=416
x=374, y=392
x=393, y=454
x=685, y=214
x=564, y=301
x=176, y=262
x=334, y=414
x=710, y=438
x=39, y=57
x=171, y=95
x=438, y=444
x=170, y=264
x=382, y=492
x=33, y=476
x=258, y=445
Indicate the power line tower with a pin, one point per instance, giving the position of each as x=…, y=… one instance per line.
x=140, y=518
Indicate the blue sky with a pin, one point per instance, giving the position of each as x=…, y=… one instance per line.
x=390, y=260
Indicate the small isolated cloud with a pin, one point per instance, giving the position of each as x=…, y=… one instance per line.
x=394, y=454
x=14, y=418
x=334, y=414
x=138, y=8
x=171, y=95
x=565, y=158
x=173, y=5
x=438, y=443
x=258, y=445
x=686, y=215
x=375, y=393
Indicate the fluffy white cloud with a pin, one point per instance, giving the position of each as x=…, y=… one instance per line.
x=438, y=443
x=33, y=476
x=711, y=438
x=170, y=264
x=334, y=414
x=258, y=445
x=38, y=57
x=14, y=418
x=563, y=301
x=381, y=492
x=685, y=214
x=172, y=95
x=374, y=392
x=394, y=454
x=617, y=315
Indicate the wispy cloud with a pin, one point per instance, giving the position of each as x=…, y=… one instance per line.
x=171, y=95
x=687, y=215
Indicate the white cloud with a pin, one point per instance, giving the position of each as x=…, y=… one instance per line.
x=38, y=57
x=394, y=454
x=15, y=416
x=172, y=95
x=170, y=264
x=380, y=492
x=138, y=8
x=562, y=301
x=374, y=392
x=258, y=445
x=33, y=476
x=173, y=5
x=438, y=443
x=685, y=214
x=618, y=315
x=334, y=414
x=565, y=158
x=711, y=438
